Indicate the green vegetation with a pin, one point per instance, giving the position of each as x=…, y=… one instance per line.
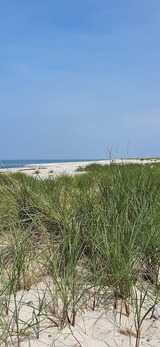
x=95, y=236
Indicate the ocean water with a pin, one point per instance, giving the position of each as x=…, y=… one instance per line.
x=20, y=163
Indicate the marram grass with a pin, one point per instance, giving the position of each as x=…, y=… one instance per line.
x=95, y=235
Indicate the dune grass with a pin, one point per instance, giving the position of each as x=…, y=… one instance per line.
x=96, y=236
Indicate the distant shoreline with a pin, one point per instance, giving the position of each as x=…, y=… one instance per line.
x=21, y=163
x=18, y=163
x=53, y=169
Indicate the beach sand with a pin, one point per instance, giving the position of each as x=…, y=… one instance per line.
x=45, y=171
x=100, y=328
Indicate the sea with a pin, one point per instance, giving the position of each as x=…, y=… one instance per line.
x=20, y=163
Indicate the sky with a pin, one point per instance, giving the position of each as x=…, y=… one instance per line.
x=79, y=79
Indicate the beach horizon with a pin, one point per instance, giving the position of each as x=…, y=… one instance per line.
x=53, y=169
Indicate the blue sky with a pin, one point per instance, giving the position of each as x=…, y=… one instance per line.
x=79, y=79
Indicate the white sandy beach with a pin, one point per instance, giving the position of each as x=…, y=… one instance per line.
x=50, y=170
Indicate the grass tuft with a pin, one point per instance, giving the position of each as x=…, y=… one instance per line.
x=92, y=239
